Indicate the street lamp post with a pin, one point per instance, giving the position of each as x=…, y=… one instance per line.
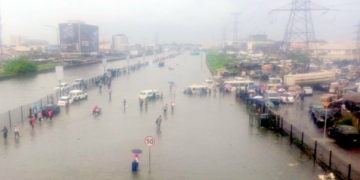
x=326, y=115
x=57, y=38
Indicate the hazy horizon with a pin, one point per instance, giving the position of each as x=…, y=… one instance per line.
x=186, y=21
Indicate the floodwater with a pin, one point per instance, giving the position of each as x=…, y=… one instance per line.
x=30, y=88
x=204, y=137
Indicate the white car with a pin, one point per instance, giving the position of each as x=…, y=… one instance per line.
x=308, y=90
x=209, y=83
x=77, y=94
x=61, y=86
x=65, y=99
x=287, y=98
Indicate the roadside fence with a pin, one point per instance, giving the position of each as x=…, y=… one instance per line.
x=314, y=148
x=21, y=114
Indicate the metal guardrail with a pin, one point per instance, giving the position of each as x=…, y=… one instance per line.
x=315, y=149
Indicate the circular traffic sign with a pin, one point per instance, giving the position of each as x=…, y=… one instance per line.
x=149, y=141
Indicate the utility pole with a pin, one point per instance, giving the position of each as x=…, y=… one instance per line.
x=235, y=36
x=357, y=54
x=223, y=37
x=300, y=26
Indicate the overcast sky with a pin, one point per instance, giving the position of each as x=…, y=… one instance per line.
x=195, y=21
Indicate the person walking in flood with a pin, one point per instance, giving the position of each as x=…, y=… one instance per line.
x=165, y=108
x=16, y=131
x=136, y=158
x=32, y=122
x=141, y=102
x=40, y=116
x=110, y=91
x=124, y=102
x=172, y=102
x=100, y=86
x=50, y=114
x=158, y=121
x=297, y=97
x=5, y=132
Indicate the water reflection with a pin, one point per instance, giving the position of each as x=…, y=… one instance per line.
x=32, y=135
x=135, y=176
x=17, y=142
x=158, y=132
x=67, y=110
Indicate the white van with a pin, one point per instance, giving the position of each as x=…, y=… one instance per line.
x=148, y=94
x=77, y=94
x=272, y=96
x=196, y=89
x=239, y=84
x=209, y=83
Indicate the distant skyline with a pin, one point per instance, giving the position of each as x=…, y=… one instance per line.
x=194, y=21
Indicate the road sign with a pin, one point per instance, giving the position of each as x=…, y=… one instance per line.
x=149, y=141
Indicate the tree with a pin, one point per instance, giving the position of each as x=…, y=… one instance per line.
x=301, y=57
x=20, y=65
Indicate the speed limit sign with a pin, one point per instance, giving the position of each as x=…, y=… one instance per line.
x=149, y=141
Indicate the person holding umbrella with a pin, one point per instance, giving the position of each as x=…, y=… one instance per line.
x=135, y=163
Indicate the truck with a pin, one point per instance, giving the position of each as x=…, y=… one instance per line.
x=309, y=78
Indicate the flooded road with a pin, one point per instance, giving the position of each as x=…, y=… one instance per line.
x=204, y=137
x=30, y=88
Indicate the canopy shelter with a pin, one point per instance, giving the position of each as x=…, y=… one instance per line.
x=352, y=96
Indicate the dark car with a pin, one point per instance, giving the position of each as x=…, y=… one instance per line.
x=54, y=107
x=344, y=134
x=323, y=87
x=321, y=114
x=256, y=75
x=313, y=107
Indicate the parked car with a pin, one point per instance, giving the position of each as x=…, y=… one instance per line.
x=351, y=77
x=54, y=107
x=323, y=87
x=64, y=100
x=287, y=98
x=320, y=114
x=80, y=83
x=256, y=75
x=314, y=106
x=77, y=94
x=61, y=86
x=149, y=94
x=308, y=90
x=272, y=96
x=344, y=134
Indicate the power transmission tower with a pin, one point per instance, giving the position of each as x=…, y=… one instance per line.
x=357, y=54
x=300, y=27
x=235, y=37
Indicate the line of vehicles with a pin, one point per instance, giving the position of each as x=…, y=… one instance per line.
x=73, y=95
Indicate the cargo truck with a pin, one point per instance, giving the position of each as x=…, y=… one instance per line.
x=309, y=78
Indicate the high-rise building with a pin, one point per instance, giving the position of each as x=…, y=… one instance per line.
x=120, y=43
x=78, y=37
